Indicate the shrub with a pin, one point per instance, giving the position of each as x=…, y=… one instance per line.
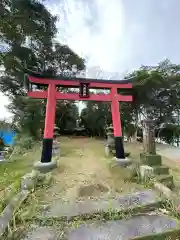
x=23, y=142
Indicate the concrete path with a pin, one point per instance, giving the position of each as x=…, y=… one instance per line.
x=167, y=151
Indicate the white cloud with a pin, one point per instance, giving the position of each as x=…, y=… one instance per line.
x=94, y=31
x=4, y=101
x=4, y=113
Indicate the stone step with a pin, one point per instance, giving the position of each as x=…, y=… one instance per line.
x=147, y=226
x=161, y=170
x=139, y=224
x=42, y=233
x=150, y=159
x=137, y=202
x=138, y=227
x=167, y=180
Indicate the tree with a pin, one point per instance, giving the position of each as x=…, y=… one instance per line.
x=95, y=117
x=156, y=92
x=27, y=117
x=28, y=29
x=66, y=115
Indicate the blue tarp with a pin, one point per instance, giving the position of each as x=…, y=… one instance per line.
x=7, y=136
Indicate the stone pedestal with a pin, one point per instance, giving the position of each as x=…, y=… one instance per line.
x=123, y=162
x=45, y=167
x=150, y=159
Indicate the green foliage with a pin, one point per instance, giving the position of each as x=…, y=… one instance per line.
x=4, y=125
x=66, y=115
x=95, y=117
x=170, y=133
x=23, y=143
x=28, y=118
x=156, y=94
x=27, y=30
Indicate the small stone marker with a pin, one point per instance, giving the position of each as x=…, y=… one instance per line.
x=146, y=172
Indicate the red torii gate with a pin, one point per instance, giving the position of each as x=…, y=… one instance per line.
x=84, y=84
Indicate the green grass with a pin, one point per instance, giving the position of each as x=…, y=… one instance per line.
x=19, y=165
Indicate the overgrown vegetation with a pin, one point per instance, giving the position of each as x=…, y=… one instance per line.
x=18, y=163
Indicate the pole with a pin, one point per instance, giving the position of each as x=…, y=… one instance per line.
x=49, y=124
x=116, y=120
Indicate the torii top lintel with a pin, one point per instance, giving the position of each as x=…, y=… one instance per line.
x=61, y=80
x=84, y=84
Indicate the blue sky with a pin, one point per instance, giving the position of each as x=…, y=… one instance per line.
x=118, y=36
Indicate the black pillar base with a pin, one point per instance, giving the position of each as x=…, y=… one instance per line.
x=119, y=147
x=47, y=150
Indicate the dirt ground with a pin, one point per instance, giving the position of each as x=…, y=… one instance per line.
x=84, y=172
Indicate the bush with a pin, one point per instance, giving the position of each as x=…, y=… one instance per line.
x=23, y=142
x=26, y=143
